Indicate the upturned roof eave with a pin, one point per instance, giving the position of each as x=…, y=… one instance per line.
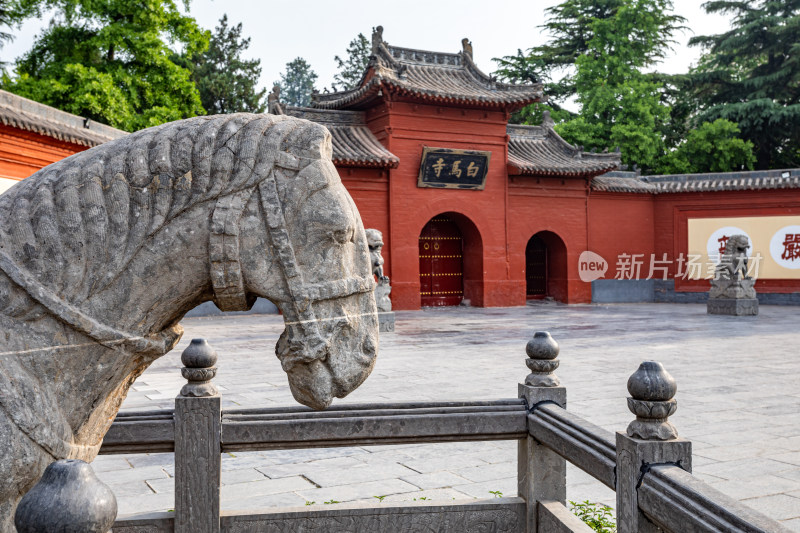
x=358, y=98
x=587, y=173
x=362, y=163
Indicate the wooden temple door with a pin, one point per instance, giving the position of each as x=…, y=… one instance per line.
x=536, y=268
x=441, y=272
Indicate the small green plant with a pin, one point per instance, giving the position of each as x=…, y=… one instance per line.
x=330, y=502
x=310, y=503
x=497, y=493
x=597, y=516
x=380, y=498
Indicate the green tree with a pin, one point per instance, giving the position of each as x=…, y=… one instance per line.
x=110, y=61
x=12, y=13
x=522, y=68
x=571, y=25
x=297, y=83
x=352, y=68
x=226, y=82
x=711, y=147
x=620, y=105
x=750, y=75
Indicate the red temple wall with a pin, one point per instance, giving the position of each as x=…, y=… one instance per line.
x=498, y=222
x=553, y=205
x=672, y=212
x=619, y=224
x=22, y=152
x=408, y=128
x=369, y=189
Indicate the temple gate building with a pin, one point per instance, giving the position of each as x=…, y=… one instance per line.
x=476, y=210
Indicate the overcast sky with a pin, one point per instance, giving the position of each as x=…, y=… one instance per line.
x=318, y=30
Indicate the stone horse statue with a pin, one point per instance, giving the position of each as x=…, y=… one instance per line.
x=101, y=254
x=730, y=277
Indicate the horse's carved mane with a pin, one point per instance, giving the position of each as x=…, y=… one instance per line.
x=113, y=198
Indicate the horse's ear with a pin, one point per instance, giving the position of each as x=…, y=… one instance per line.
x=311, y=141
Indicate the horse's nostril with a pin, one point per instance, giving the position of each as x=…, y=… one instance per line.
x=368, y=347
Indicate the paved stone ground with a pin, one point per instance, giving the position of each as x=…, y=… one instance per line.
x=738, y=397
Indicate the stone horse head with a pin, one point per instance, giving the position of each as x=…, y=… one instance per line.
x=102, y=254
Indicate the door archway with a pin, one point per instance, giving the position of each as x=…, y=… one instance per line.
x=546, y=267
x=441, y=262
x=536, y=269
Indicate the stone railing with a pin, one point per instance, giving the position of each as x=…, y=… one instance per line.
x=648, y=465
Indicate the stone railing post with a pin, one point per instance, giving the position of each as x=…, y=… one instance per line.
x=541, y=473
x=197, y=443
x=68, y=497
x=649, y=440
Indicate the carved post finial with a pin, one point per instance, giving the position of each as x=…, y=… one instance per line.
x=652, y=390
x=68, y=497
x=198, y=359
x=542, y=351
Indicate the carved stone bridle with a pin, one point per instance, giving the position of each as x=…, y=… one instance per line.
x=226, y=269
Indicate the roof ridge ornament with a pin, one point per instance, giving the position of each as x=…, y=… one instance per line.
x=547, y=120
x=377, y=39
x=466, y=47
x=274, y=106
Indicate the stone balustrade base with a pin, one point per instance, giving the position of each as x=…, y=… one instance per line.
x=386, y=321
x=733, y=306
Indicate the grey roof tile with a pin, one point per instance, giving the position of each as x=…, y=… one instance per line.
x=432, y=76
x=711, y=182
x=539, y=150
x=24, y=114
x=353, y=142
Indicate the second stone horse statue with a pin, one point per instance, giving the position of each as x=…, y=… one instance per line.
x=102, y=254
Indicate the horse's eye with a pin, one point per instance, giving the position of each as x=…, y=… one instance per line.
x=342, y=236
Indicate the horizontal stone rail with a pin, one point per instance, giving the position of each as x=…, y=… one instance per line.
x=554, y=517
x=141, y=432
x=395, y=423
x=677, y=501
x=585, y=445
x=345, y=425
x=496, y=514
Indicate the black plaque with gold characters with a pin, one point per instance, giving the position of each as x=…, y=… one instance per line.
x=444, y=168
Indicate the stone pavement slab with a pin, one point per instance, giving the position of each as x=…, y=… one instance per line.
x=738, y=401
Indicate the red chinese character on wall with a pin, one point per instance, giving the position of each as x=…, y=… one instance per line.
x=791, y=247
x=723, y=242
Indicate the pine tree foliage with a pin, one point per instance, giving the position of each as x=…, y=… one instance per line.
x=12, y=13
x=297, y=83
x=750, y=75
x=227, y=82
x=520, y=68
x=571, y=25
x=620, y=105
x=352, y=68
x=110, y=61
